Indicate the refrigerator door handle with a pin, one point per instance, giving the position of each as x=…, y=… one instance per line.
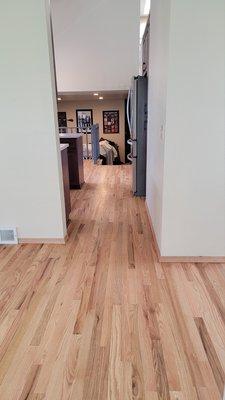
x=128, y=110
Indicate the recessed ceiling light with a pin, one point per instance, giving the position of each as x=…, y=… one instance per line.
x=100, y=98
x=95, y=94
x=59, y=99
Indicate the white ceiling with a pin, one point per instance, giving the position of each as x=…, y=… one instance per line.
x=81, y=96
x=93, y=47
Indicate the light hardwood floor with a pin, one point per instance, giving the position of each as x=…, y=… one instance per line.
x=100, y=318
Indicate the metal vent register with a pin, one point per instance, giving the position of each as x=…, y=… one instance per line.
x=8, y=236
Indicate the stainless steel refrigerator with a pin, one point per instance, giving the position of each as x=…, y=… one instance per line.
x=137, y=116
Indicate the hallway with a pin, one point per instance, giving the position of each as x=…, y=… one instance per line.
x=100, y=318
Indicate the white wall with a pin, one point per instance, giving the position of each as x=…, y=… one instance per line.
x=193, y=189
x=30, y=168
x=159, y=34
x=96, y=43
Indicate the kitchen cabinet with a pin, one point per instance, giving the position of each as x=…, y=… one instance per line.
x=66, y=185
x=75, y=158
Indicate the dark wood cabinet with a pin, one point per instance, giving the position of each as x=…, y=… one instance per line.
x=66, y=185
x=75, y=159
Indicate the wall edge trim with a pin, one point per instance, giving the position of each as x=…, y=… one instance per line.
x=43, y=240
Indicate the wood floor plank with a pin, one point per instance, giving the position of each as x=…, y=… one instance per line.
x=138, y=387
x=212, y=293
x=29, y=387
x=160, y=370
x=115, y=378
x=100, y=318
x=178, y=349
x=214, y=362
x=203, y=307
x=198, y=364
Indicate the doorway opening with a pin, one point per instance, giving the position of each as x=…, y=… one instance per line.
x=78, y=112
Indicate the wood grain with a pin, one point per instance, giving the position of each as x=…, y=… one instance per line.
x=214, y=362
x=100, y=318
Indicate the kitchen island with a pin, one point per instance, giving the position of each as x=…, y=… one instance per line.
x=65, y=172
x=75, y=158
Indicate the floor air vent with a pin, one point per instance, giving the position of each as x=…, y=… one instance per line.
x=8, y=236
